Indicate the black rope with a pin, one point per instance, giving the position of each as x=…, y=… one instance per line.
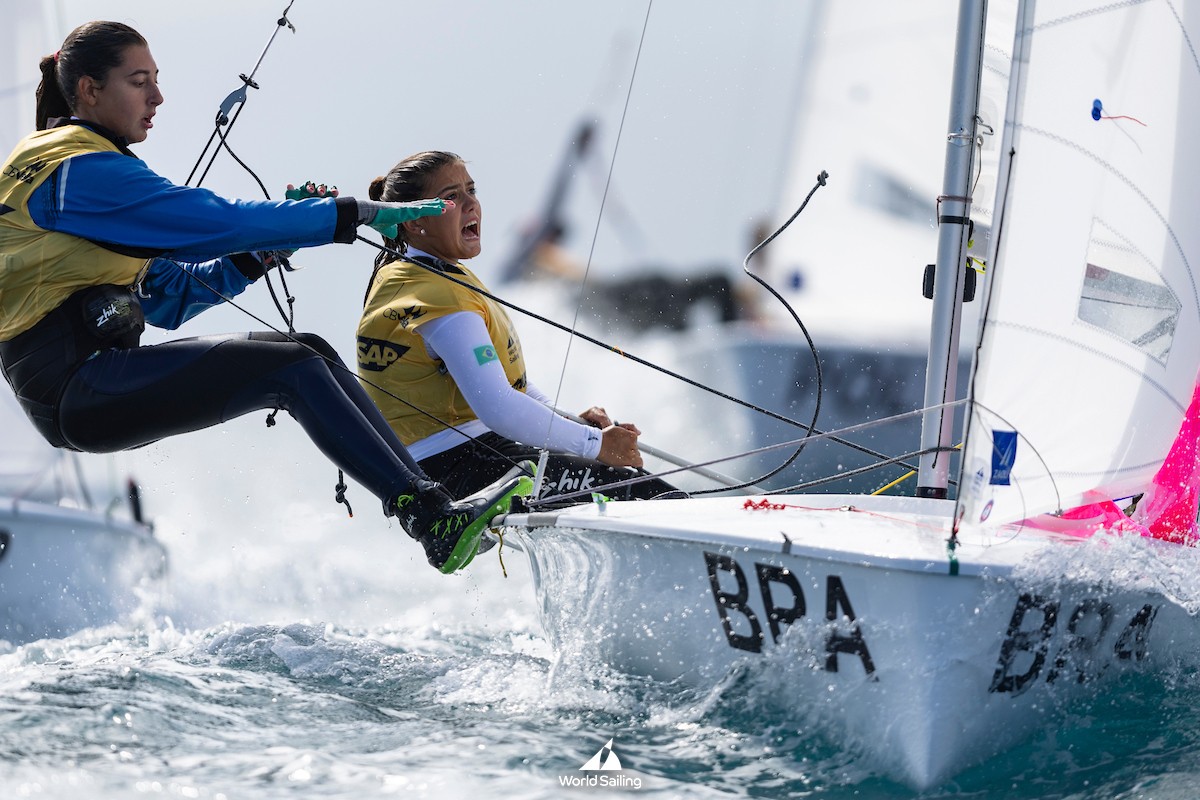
x=288, y=315
x=225, y=145
x=238, y=97
x=812, y=347
x=339, y=493
x=396, y=254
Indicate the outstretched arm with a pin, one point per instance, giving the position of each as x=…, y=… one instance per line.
x=120, y=203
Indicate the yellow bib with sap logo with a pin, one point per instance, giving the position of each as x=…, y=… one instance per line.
x=415, y=392
x=39, y=269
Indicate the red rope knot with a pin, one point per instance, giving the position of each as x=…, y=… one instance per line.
x=763, y=505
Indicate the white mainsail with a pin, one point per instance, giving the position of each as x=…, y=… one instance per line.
x=1091, y=334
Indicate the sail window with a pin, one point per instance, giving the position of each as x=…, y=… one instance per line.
x=1124, y=295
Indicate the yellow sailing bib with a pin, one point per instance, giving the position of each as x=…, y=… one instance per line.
x=391, y=354
x=38, y=268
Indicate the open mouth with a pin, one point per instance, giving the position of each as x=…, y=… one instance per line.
x=471, y=230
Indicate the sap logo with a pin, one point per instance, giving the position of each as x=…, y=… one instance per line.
x=24, y=174
x=1086, y=648
x=783, y=603
x=377, y=355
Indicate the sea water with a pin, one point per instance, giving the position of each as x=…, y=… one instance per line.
x=298, y=652
x=315, y=665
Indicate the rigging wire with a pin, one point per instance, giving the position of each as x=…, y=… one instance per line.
x=238, y=97
x=767, y=449
x=603, y=200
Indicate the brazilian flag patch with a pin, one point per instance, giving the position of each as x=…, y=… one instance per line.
x=485, y=354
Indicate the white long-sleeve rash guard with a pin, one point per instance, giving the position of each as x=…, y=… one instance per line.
x=524, y=417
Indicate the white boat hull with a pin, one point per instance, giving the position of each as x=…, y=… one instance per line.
x=854, y=612
x=63, y=569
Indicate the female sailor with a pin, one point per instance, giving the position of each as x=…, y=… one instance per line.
x=445, y=364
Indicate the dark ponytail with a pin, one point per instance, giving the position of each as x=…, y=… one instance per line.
x=92, y=49
x=50, y=102
x=407, y=181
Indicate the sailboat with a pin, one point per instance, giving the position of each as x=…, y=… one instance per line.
x=66, y=562
x=931, y=630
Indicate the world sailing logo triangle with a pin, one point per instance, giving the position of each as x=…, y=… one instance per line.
x=605, y=759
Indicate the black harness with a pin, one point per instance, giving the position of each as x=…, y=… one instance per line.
x=39, y=362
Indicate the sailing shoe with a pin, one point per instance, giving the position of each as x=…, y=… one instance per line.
x=450, y=530
x=488, y=541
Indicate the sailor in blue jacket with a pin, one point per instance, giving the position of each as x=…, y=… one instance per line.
x=93, y=244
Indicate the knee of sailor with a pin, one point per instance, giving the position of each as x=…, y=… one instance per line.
x=318, y=344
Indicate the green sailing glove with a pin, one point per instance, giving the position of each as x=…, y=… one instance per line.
x=383, y=217
x=387, y=217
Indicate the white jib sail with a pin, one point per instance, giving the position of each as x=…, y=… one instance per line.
x=1091, y=337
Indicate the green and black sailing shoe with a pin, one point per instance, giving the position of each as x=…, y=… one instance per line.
x=450, y=530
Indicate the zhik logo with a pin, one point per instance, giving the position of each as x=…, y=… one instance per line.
x=604, y=762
